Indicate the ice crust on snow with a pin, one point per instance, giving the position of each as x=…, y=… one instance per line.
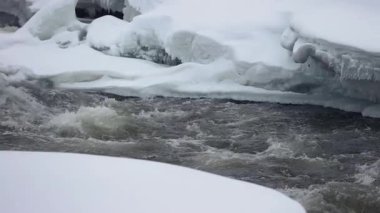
x=269, y=56
x=77, y=183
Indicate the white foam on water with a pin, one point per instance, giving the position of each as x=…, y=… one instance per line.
x=368, y=174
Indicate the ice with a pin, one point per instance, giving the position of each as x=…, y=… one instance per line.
x=114, y=5
x=22, y=10
x=107, y=5
x=345, y=61
x=77, y=183
x=223, y=52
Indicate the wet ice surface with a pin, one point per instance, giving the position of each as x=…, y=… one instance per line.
x=326, y=159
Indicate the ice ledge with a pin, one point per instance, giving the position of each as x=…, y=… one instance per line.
x=345, y=61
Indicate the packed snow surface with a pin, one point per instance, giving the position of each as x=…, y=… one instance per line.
x=347, y=22
x=52, y=182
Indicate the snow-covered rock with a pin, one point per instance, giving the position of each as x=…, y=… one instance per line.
x=54, y=17
x=56, y=182
x=105, y=34
x=116, y=37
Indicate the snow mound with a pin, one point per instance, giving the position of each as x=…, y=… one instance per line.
x=105, y=34
x=115, y=37
x=53, y=182
x=54, y=17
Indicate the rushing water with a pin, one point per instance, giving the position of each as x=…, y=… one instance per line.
x=328, y=160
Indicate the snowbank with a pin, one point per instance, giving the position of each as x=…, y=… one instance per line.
x=253, y=28
x=52, y=182
x=248, y=49
x=48, y=59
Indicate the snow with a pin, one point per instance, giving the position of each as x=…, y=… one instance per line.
x=55, y=17
x=38, y=4
x=239, y=37
x=249, y=49
x=51, y=60
x=106, y=34
x=245, y=22
x=351, y=23
x=53, y=182
x=144, y=5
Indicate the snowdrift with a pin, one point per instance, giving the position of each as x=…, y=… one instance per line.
x=288, y=51
x=52, y=182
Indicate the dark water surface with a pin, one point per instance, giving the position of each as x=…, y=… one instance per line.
x=328, y=160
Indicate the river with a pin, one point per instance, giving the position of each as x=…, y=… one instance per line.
x=327, y=159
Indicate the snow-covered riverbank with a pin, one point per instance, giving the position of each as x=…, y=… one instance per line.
x=237, y=56
x=53, y=182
